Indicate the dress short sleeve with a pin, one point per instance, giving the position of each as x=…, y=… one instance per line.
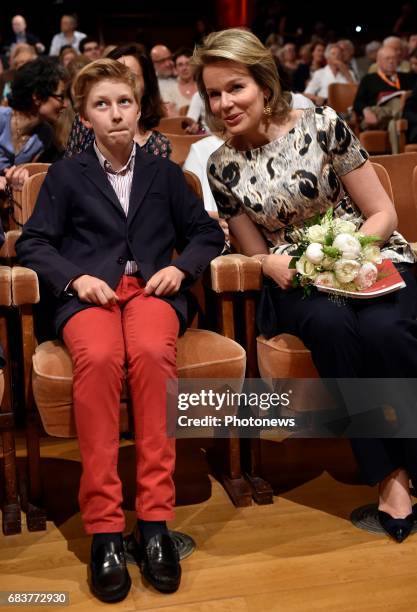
x=344, y=148
x=222, y=178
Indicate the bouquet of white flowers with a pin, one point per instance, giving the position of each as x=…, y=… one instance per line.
x=333, y=255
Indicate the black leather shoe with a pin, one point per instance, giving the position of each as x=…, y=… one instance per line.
x=109, y=578
x=160, y=564
x=398, y=528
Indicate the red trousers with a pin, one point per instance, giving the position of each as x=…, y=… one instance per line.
x=142, y=332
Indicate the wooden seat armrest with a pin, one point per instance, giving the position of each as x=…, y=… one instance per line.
x=5, y=286
x=8, y=249
x=231, y=273
x=25, y=286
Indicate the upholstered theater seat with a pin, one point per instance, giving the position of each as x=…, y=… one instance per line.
x=201, y=354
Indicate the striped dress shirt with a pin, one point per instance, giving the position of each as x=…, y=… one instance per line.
x=121, y=181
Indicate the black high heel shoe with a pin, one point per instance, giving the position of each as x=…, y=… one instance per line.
x=398, y=528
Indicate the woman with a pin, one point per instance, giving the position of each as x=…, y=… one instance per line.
x=67, y=55
x=181, y=90
x=36, y=101
x=151, y=141
x=279, y=168
x=305, y=71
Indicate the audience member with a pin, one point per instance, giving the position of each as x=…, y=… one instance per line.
x=178, y=92
x=336, y=71
x=396, y=45
x=67, y=36
x=289, y=63
x=374, y=87
x=348, y=56
x=267, y=194
x=304, y=72
x=21, y=35
x=36, y=100
x=21, y=54
x=90, y=48
x=150, y=139
x=66, y=55
x=120, y=300
x=163, y=64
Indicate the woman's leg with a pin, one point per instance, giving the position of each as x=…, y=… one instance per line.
x=389, y=331
x=94, y=339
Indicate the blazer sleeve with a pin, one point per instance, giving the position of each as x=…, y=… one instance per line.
x=42, y=236
x=199, y=237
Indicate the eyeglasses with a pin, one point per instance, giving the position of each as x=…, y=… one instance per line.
x=59, y=97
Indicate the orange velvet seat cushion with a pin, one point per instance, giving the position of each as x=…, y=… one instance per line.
x=201, y=354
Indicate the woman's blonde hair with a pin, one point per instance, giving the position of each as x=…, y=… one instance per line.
x=97, y=71
x=243, y=47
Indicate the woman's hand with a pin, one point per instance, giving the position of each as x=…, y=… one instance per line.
x=16, y=177
x=276, y=267
x=165, y=282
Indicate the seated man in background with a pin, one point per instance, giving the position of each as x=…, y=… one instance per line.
x=378, y=100
x=106, y=255
x=90, y=48
x=336, y=71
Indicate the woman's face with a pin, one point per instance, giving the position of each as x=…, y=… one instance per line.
x=132, y=63
x=318, y=54
x=51, y=108
x=183, y=68
x=68, y=56
x=234, y=96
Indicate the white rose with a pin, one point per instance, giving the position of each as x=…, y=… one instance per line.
x=348, y=245
x=372, y=253
x=366, y=276
x=317, y=233
x=343, y=227
x=328, y=263
x=327, y=279
x=314, y=253
x=346, y=270
x=306, y=268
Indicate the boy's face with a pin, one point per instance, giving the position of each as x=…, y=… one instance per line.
x=112, y=112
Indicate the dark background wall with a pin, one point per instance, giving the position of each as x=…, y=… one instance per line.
x=150, y=21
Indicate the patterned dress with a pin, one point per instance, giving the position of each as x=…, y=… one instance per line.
x=80, y=137
x=289, y=180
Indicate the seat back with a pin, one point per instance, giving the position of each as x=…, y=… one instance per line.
x=383, y=176
x=29, y=194
x=181, y=145
x=193, y=183
x=341, y=96
x=400, y=168
x=172, y=125
x=15, y=216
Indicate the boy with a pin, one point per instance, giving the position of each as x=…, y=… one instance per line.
x=101, y=237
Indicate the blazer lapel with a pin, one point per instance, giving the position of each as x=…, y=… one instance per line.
x=143, y=176
x=94, y=172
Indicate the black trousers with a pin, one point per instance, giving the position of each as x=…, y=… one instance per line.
x=372, y=338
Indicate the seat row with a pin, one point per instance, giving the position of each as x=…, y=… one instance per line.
x=229, y=290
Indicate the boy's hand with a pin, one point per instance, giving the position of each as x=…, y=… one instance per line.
x=165, y=282
x=94, y=290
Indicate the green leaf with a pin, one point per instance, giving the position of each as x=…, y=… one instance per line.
x=292, y=263
x=365, y=240
x=331, y=251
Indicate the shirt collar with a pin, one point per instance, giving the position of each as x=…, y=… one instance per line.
x=106, y=165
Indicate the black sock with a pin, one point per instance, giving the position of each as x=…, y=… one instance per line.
x=105, y=538
x=147, y=529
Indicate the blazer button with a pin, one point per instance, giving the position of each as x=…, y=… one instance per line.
x=121, y=260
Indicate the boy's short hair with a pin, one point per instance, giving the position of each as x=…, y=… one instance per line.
x=97, y=71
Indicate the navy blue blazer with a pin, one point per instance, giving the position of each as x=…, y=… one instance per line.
x=79, y=227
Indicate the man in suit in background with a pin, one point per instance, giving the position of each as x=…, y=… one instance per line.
x=102, y=237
